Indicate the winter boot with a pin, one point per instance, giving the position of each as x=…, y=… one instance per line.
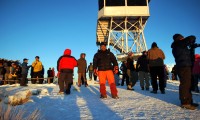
x=115, y=97
x=103, y=96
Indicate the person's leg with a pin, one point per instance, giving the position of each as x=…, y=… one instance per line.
x=127, y=79
x=134, y=76
x=123, y=78
x=162, y=83
x=153, y=74
x=68, y=82
x=34, y=78
x=146, y=77
x=41, y=77
x=185, y=95
x=141, y=78
x=61, y=81
x=111, y=81
x=79, y=79
x=102, y=82
x=23, y=80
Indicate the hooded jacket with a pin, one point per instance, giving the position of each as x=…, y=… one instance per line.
x=181, y=52
x=82, y=64
x=104, y=60
x=66, y=63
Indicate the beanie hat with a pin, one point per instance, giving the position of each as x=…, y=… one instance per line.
x=103, y=43
x=154, y=44
x=177, y=36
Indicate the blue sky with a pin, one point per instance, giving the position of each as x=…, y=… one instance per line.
x=47, y=27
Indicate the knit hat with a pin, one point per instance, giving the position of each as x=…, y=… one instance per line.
x=25, y=59
x=154, y=44
x=103, y=43
x=177, y=36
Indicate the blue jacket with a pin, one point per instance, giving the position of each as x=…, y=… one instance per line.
x=181, y=51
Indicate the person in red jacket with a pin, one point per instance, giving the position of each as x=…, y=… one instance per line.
x=65, y=67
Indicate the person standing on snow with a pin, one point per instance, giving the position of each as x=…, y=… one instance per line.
x=24, y=73
x=156, y=58
x=82, y=66
x=183, y=61
x=103, y=63
x=37, y=70
x=65, y=68
x=90, y=69
x=142, y=67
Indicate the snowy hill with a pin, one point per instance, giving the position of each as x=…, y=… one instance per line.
x=86, y=104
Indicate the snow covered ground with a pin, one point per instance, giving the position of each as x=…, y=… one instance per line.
x=86, y=104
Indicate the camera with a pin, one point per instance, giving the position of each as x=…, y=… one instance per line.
x=194, y=45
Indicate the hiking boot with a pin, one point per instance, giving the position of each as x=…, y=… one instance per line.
x=162, y=92
x=103, y=96
x=142, y=88
x=129, y=87
x=115, y=97
x=195, y=104
x=188, y=106
x=155, y=92
x=67, y=92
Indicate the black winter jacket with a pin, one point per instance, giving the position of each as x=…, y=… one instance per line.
x=142, y=64
x=104, y=60
x=181, y=51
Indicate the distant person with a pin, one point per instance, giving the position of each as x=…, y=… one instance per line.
x=103, y=63
x=142, y=67
x=166, y=73
x=24, y=73
x=123, y=68
x=65, y=68
x=2, y=72
x=156, y=58
x=174, y=73
x=50, y=75
x=8, y=75
x=131, y=71
x=82, y=67
x=196, y=72
x=183, y=61
x=37, y=70
x=90, y=70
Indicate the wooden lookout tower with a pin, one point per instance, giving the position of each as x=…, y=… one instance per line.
x=121, y=25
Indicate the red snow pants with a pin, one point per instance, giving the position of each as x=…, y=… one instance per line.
x=107, y=75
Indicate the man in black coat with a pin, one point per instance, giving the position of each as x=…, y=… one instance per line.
x=183, y=61
x=103, y=63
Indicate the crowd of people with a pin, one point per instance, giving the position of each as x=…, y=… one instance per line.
x=13, y=71
x=148, y=69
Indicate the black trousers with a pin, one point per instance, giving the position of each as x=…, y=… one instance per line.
x=23, y=81
x=157, y=71
x=65, y=81
x=35, y=75
x=185, y=94
x=125, y=76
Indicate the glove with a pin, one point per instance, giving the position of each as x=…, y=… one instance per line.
x=116, y=69
x=96, y=72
